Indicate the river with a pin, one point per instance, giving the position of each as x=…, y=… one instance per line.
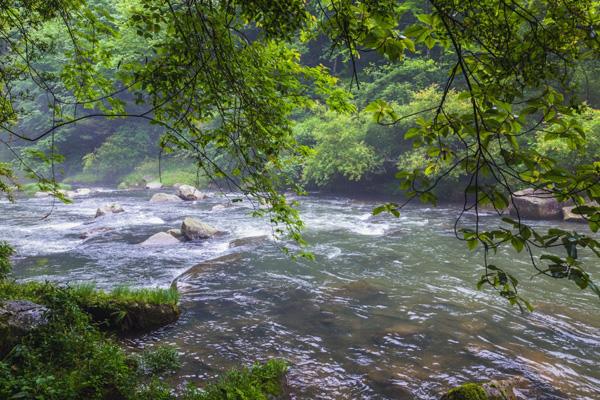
x=388, y=310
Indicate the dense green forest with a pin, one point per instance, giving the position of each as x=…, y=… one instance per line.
x=481, y=105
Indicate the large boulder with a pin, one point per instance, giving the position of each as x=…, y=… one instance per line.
x=17, y=319
x=106, y=209
x=190, y=193
x=492, y=390
x=154, y=185
x=535, y=204
x=160, y=239
x=164, y=198
x=194, y=229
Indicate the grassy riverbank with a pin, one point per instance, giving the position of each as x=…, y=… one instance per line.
x=74, y=355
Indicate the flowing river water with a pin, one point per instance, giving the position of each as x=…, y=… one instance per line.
x=388, y=310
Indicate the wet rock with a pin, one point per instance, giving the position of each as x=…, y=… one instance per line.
x=249, y=241
x=218, y=207
x=176, y=233
x=164, y=198
x=190, y=193
x=106, y=209
x=17, y=319
x=160, y=239
x=131, y=317
x=194, y=229
x=492, y=390
x=155, y=185
x=41, y=194
x=535, y=204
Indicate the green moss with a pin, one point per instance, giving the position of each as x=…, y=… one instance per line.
x=467, y=391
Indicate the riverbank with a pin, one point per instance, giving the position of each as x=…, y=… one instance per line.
x=56, y=345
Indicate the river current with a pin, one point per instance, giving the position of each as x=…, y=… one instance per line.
x=389, y=309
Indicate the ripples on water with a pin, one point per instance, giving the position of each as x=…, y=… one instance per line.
x=388, y=310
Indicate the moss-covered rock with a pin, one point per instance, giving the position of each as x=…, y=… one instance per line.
x=131, y=317
x=492, y=390
x=467, y=391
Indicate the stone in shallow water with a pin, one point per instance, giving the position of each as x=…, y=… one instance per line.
x=106, y=209
x=160, y=239
x=492, y=390
x=164, y=198
x=154, y=185
x=194, y=229
x=190, y=193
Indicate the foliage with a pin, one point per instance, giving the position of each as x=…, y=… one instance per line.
x=259, y=382
x=222, y=79
x=159, y=360
x=5, y=266
x=69, y=358
x=340, y=149
x=180, y=171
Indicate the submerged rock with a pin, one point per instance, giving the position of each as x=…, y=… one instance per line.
x=249, y=241
x=190, y=193
x=106, y=209
x=160, y=239
x=95, y=232
x=535, y=204
x=205, y=266
x=361, y=290
x=194, y=229
x=154, y=185
x=492, y=390
x=17, y=319
x=164, y=198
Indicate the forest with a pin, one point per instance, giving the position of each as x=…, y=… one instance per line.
x=298, y=199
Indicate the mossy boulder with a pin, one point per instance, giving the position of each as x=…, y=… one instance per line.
x=492, y=390
x=17, y=319
x=131, y=317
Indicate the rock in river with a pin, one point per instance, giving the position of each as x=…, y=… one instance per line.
x=17, y=319
x=106, y=209
x=164, y=198
x=194, y=229
x=154, y=185
x=161, y=239
x=190, y=193
x=492, y=390
x=535, y=204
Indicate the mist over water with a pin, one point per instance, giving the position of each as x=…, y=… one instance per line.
x=389, y=310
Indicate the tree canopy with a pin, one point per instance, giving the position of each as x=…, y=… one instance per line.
x=226, y=77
